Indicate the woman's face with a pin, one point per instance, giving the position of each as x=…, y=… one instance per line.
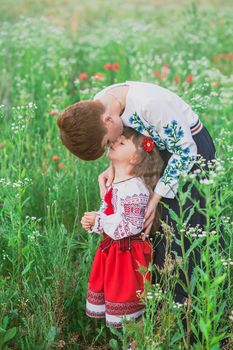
x=123, y=150
x=114, y=127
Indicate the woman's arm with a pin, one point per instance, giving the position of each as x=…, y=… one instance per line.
x=151, y=211
x=106, y=177
x=173, y=133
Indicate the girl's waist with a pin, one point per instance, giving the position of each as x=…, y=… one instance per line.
x=124, y=243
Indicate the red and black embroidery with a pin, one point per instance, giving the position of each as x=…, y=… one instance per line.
x=121, y=309
x=95, y=314
x=95, y=298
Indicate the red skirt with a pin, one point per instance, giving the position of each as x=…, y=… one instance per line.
x=115, y=279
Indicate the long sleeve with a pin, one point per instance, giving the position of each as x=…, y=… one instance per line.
x=170, y=130
x=130, y=203
x=98, y=226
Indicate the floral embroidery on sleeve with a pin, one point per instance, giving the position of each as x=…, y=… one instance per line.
x=138, y=125
x=172, y=137
x=174, y=134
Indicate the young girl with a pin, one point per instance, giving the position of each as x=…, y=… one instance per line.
x=115, y=276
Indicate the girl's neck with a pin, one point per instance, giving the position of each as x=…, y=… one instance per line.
x=122, y=172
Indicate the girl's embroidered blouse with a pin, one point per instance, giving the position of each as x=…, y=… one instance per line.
x=161, y=114
x=129, y=200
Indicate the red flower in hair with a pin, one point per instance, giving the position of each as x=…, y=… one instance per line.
x=148, y=144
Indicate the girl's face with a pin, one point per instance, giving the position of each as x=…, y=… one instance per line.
x=123, y=150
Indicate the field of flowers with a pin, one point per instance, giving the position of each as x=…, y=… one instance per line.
x=50, y=57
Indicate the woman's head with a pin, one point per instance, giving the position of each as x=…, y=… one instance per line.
x=86, y=128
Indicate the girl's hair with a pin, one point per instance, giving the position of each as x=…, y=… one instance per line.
x=148, y=168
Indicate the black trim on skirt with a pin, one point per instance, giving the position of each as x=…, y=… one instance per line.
x=206, y=148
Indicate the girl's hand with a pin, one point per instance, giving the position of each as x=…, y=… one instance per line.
x=106, y=176
x=88, y=220
x=150, y=213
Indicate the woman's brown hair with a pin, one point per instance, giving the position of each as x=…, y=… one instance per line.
x=82, y=130
x=148, y=167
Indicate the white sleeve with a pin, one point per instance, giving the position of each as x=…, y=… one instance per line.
x=98, y=226
x=173, y=132
x=130, y=203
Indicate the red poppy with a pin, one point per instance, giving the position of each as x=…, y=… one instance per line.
x=115, y=66
x=83, y=76
x=55, y=158
x=98, y=76
x=148, y=144
x=229, y=56
x=189, y=79
x=108, y=66
x=53, y=112
x=177, y=79
x=215, y=83
x=215, y=59
x=156, y=74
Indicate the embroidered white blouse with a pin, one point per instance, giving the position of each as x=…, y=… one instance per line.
x=129, y=200
x=161, y=114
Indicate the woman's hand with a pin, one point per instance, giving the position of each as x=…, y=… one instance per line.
x=88, y=219
x=150, y=213
x=106, y=177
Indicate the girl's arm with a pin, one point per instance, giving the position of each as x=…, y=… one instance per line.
x=97, y=226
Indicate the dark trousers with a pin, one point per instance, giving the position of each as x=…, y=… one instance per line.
x=206, y=148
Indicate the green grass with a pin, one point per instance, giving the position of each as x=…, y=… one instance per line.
x=45, y=256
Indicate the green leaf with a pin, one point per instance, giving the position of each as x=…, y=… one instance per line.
x=176, y=337
x=191, y=212
x=194, y=330
x=116, y=332
x=216, y=339
x=5, y=322
x=204, y=327
x=218, y=280
x=25, y=250
x=51, y=334
x=173, y=215
x=9, y=334
x=193, y=282
x=114, y=345
x=218, y=315
x=193, y=246
x=27, y=268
